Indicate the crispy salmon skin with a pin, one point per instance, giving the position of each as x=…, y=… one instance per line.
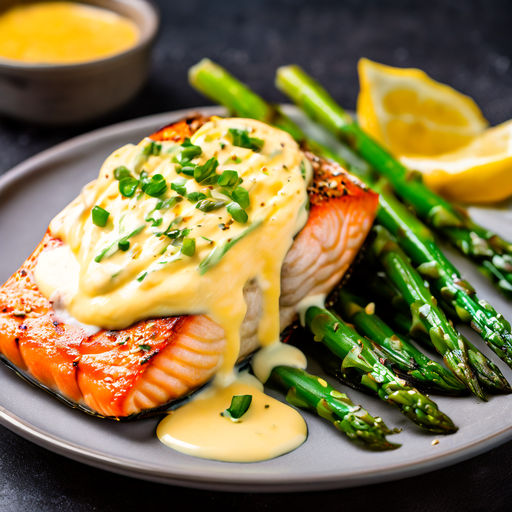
x=153, y=362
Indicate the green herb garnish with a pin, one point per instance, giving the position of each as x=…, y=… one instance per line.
x=218, y=252
x=189, y=151
x=179, y=186
x=154, y=187
x=228, y=179
x=173, y=222
x=117, y=244
x=99, y=216
x=242, y=139
x=153, y=148
x=188, y=247
x=141, y=278
x=187, y=170
x=123, y=244
x=145, y=347
x=128, y=186
x=239, y=406
x=241, y=196
x=122, y=172
x=303, y=169
x=206, y=174
x=193, y=197
x=208, y=205
x=154, y=222
x=168, y=203
x=178, y=234
x=237, y=212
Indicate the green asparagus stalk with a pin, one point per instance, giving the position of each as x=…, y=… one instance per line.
x=402, y=354
x=414, y=237
x=356, y=353
x=315, y=394
x=218, y=84
x=427, y=316
x=474, y=241
x=488, y=374
x=419, y=244
x=222, y=87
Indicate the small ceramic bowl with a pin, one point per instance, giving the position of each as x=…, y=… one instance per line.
x=73, y=93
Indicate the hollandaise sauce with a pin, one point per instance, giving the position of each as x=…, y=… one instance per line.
x=63, y=33
x=180, y=229
x=201, y=428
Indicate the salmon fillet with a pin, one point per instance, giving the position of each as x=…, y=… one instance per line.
x=153, y=362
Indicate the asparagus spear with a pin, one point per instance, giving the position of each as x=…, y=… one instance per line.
x=418, y=242
x=356, y=353
x=221, y=86
x=217, y=83
x=427, y=316
x=405, y=356
x=474, y=241
x=413, y=236
x=310, y=392
x=488, y=374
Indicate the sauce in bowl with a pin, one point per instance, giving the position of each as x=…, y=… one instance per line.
x=63, y=33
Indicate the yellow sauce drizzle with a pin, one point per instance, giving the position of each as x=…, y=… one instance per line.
x=268, y=429
x=63, y=33
x=154, y=279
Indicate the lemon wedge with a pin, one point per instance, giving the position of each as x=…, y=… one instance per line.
x=480, y=172
x=412, y=114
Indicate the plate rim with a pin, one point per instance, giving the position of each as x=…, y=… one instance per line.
x=206, y=479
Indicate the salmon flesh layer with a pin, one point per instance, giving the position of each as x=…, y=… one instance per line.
x=108, y=373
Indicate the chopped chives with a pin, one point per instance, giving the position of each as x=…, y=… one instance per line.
x=303, y=169
x=239, y=406
x=218, y=252
x=237, y=212
x=193, y=197
x=141, y=278
x=188, y=247
x=189, y=151
x=228, y=179
x=156, y=186
x=187, y=170
x=123, y=244
x=206, y=174
x=179, y=186
x=99, y=216
x=107, y=250
x=154, y=222
x=168, y=203
x=208, y=205
x=241, y=196
x=153, y=148
x=122, y=172
x=128, y=186
x=242, y=139
x=173, y=222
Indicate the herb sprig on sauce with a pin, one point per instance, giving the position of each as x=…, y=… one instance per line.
x=229, y=184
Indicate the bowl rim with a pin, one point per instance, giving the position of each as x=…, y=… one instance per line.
x=146, y=8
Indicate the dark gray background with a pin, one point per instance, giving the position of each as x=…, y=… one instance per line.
x=466, y=44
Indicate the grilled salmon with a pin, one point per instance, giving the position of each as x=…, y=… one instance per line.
x=121, y=373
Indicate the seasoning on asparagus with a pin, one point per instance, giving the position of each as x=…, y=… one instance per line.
x=355, y=352
x=402, y=354
x=315, y=394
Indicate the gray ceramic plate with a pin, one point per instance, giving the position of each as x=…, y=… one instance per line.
x=32, y=193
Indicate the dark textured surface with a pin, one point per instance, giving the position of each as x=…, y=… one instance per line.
x=466, y=44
